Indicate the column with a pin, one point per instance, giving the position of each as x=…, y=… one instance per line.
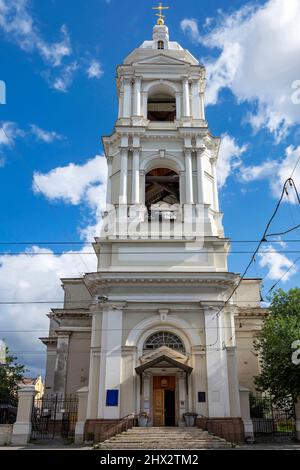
x=202, y=98
x=137, y=96
x=178, y=105
x=22, y=427
x=136, y=176
x=127, y=97
x=61, y=363
x=186, y=98
x=93, y=397
x=111, y=361
x=109, y=175
x=216, y=195
x=216, y=365
x=123, y=176
x=200, y=176
x=144, y=95
x=234, y=394
x=121, y=99
x=196, y=99
x=182, y=397
x=189, y=177
x=146, y=378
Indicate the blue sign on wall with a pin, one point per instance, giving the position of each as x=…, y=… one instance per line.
x=112, y=397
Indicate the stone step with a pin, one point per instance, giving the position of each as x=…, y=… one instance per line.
x=165, y=447
x=164, y=438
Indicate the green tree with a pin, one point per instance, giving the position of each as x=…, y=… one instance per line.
x=11, y=374
x=279, y=375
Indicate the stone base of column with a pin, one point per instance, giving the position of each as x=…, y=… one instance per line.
x=231, y=429
x=21, y=434
x=138, y=120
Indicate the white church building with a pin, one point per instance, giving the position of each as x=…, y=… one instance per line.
x=151, y=331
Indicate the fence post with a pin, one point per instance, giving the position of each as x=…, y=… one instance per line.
x=297, y=410
x=81, y=417
x=246, y=416
x=22, y=427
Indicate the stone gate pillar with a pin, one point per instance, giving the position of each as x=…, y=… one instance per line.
x=245, y=412
x=82, y=413
x=22, y=427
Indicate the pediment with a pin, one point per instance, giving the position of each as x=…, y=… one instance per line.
x=165, y=362
x=164, y=351
x=160, y=59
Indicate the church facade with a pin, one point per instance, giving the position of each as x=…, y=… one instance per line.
x=151, y=331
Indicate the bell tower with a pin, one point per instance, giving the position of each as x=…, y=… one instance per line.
x=162, y=194
x=162, y=256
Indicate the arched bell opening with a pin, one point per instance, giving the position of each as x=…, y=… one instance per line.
x=162, y=193
x=161, y=104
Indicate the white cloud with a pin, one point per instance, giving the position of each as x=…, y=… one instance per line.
x=9, y=132
x=275, y=171
x=34, y=278
x=37, y=277
x=229, y=158
x=65, y=80
x=73, y=183
x=45, y=136
x=277, y=264
x=17, y=25
x=259, y=60
x=94, y=70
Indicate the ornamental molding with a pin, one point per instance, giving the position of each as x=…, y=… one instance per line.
x=251, y=312
x=94, y=281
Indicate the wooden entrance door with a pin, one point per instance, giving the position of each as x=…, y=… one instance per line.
x=163, y=403
x=158, y=407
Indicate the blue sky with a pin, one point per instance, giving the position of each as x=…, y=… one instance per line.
x=58, y=60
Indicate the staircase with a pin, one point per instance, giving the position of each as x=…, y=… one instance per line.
x=164, y=438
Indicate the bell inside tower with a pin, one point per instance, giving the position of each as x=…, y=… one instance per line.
x=162, y=192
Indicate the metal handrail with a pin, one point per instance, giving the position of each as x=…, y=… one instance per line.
x=125, y=423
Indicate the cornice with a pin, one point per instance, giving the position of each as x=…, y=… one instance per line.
x=244, y=312
x=95, y=280
x=49, y=340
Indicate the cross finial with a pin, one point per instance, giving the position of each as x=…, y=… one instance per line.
x=160, y=15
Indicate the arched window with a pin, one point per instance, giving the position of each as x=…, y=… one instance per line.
x=162, y=187
x=161, y=107
x=164, y=338
x=160, y=45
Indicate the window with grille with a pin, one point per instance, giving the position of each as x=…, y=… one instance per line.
x=164, y=338
x=160, y=45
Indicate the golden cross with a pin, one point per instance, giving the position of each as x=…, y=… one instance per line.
x=161, y=17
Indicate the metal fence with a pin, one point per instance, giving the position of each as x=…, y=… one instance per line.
x=54, y=416
x=8, y=413
x=271, y=422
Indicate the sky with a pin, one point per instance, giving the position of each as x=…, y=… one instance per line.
x=58, y=62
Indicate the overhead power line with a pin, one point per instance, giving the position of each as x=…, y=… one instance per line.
x=122, y=253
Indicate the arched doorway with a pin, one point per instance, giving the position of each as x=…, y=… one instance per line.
x=164, y=377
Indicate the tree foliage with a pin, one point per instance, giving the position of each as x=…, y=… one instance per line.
x=279, y=375
x=11, y=374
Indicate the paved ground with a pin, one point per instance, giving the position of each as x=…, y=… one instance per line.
x=78, y=448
